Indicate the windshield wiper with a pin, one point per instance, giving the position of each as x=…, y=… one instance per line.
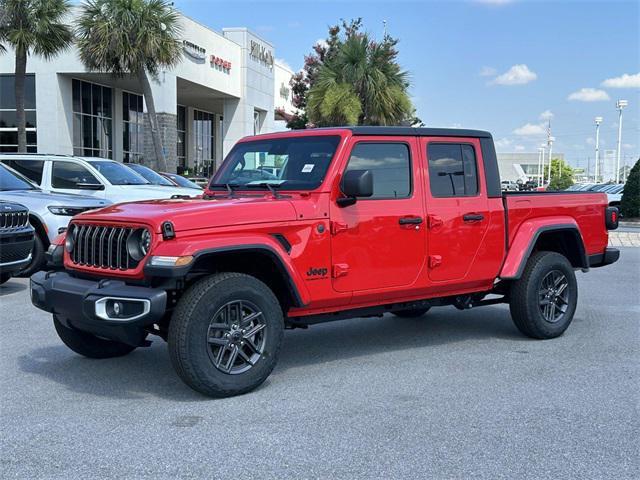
x=229, y=186
x=271, y=186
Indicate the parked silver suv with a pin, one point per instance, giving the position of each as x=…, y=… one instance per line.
x=49, y=213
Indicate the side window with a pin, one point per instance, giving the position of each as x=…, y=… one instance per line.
x=69, y=175
x=452, y=170
x=389, y=164
x=32, y=169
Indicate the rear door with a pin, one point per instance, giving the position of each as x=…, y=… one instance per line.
x=379, y=242
x=457, y=205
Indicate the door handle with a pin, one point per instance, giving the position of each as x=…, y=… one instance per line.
x=410, y=221
x=473, y=217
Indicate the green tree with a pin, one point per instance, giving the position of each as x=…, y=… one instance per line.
x=136, y=37
x=32, y=27
x=561, y=175
x=630, y=203
x=351, y=79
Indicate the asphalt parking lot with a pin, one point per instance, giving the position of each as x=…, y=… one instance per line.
x=451, y=395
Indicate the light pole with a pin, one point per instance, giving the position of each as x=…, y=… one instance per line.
x=620, y=104
x=542, y=148
x=539, y=165
x=598, y=121
x=550, y=141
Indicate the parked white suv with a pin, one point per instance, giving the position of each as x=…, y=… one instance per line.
x=97, y=177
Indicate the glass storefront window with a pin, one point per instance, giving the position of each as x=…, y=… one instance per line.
x=132, y=127
x=8, y=124
x=92, y=120
x=203, y=129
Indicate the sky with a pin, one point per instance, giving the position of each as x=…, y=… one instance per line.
x=507, y=66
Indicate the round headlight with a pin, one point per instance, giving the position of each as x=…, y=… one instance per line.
x=145, y=241
x=138, y=244
x=70, y=239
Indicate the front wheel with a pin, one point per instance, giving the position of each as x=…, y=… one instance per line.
x=543, y=301
x=225, y=334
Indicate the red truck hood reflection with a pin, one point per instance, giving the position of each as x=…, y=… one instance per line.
x=196, y=213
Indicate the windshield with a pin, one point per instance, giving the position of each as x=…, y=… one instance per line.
x=183, y=182
x=151, y=176
x=117, y=174
x=286, y=163
x=12, y=181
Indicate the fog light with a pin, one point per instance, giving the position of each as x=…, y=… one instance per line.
x=125, y=309
x=117, y=308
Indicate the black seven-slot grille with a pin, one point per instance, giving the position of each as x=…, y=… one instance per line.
x=14, y=219
x=103, y=247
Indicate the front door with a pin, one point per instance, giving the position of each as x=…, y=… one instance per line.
x=379, y=242
x=457, y=206
x=70, y=177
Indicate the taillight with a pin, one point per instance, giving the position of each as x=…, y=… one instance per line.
x=611, y=218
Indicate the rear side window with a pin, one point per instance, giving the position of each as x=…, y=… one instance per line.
x=70, y=175
x=32, y=169
x=453, y=170
x=390, y=165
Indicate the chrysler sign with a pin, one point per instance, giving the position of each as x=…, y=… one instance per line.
x=194, y=51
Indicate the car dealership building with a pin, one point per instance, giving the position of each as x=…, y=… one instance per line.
x=227, y=86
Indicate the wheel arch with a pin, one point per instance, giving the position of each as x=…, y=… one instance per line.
x=39, y=226
x=564, y=239
x=260, y=261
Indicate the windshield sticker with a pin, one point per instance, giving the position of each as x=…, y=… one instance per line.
x=308, y=168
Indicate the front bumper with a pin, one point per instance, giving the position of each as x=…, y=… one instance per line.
x=610, y=255
x=80, y=304
x=15, y=250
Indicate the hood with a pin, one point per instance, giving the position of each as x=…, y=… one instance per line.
x=35, y=199
x=197, y=213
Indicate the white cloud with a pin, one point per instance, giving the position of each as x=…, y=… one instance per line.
x=516, y=75
x=519, y=148
x=590, y=141
x=284, y=63
x=322, y=42
x=546, y=115
x=530, y=130
x=503, y=143
x=627, y=146
x=623, y=81
x=487, y=71
x=589, y=95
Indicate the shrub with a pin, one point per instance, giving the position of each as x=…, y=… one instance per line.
x=630, y=204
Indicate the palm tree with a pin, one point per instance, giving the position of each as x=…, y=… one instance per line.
x=32, y=27
x=361, y=84
x=137, y=37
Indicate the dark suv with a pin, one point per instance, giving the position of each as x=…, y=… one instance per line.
x=16, y=239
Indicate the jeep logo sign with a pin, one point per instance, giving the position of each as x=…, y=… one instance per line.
x=261, y=54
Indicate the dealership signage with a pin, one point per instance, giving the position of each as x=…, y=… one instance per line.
x=261, y=54
x=194, y=51
x=220, y=62
x=284, y=91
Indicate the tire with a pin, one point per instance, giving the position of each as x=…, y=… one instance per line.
x=37, y=258
x=4, y=277
x=534, y=303
x=89, y=345
x=411, y=313
x=202, y=350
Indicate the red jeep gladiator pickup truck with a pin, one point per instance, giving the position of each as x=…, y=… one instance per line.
x=303, y=227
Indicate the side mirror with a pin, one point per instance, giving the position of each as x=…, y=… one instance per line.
x=355, y=183
x=90, y=186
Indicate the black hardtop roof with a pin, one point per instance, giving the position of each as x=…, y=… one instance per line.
x=419, y=131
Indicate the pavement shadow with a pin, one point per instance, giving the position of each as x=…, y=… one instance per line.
x=148, y=371
x=11, y=287
x=367, y=336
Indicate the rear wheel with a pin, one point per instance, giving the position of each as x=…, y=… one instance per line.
x=411, y=313
x=225, y=334
x=543, y=301
x=89, y=345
